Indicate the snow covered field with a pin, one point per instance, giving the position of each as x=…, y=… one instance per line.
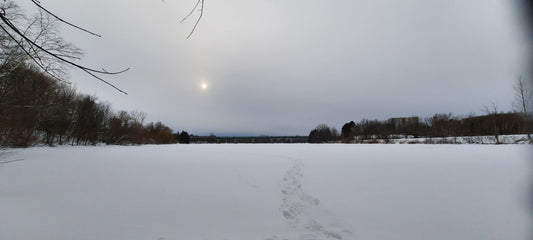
x=267, y=192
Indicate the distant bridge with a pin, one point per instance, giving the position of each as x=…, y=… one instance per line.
x=259, y=139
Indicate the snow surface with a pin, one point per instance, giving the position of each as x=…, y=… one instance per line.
x=267, y=192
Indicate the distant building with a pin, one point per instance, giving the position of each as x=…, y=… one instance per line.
x=402, y=123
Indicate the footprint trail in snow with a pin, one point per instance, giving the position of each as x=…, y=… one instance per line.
x=304, y=213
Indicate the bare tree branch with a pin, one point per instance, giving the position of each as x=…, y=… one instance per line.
x=492, y=112
x=37, y=3
x=31, y=56
x=198, y=7
x=522, y=102
x=192, y=11
x=45, y=48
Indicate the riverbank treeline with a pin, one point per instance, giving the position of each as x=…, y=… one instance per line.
x=38, y=109
x=438, y=126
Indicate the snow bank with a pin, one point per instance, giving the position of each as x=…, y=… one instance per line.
x=276, y=192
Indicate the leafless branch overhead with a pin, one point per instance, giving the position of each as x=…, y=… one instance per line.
x=56, y=50
x=37, y=3
x=199, y=6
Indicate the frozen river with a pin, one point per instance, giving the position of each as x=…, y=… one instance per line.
x=267, y=192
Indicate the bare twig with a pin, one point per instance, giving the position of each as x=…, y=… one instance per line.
x=38, y=63
x=89, y=71
x=37, y=3
x=199, y=6
x=40, y=54
x=192, y=11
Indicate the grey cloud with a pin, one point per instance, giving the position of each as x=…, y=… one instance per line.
x=282, y=67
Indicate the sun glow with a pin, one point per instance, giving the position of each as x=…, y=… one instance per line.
x=204, y=86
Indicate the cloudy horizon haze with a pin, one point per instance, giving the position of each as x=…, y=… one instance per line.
x=282, y=67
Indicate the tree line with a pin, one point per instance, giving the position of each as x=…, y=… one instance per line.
x=493, y=123
x=35, y=108
x=438, y=125
x=37, y=104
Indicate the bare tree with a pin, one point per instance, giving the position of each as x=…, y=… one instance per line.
x=37, y=39
x=138, y=116
x=10, y=53
x=523, y=102
x=42, y=29
x=492, y=112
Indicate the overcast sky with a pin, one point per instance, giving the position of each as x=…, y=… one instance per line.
x=280, y=67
